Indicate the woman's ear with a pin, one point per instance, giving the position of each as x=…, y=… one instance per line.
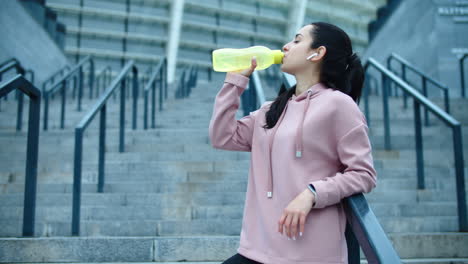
x=322, y=50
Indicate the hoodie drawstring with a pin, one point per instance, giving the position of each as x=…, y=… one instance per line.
x=298, y=142
x=300, y=126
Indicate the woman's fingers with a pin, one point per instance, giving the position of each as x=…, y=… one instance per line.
x=247, y=72
x=294, y=224
x=287, y=225
x=302, y=220
x=281, y=223
x=253, y=63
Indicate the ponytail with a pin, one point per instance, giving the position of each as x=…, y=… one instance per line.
x=354, y=77
x=277, y=107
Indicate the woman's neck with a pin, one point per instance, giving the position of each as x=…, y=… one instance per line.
x=304, y=83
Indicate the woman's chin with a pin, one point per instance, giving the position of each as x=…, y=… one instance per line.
x=283, y=68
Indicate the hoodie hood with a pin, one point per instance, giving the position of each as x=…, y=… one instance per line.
x=305, y=98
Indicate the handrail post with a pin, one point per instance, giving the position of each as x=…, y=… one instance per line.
x=161, y=87
x=145, y=109
x=75, y=87
x=91, y=77
x=80, y=87
x=153, y=107
x=165, y=80
x=424, y=90
x=419, y=145
x=64, y=95
x=386, y=113
x=446, y=100
x=366, y=98
x=403, y=76
x=30, y=187
x=98, y=84
x=462, y=74
x=102, y=148
x=77, y=182
x=135, y=100
x=19, y=117
x=460, y=178
x=182, y=85
x=122, y=116
x=46, y=109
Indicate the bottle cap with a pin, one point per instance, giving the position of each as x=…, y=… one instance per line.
x=278, y=56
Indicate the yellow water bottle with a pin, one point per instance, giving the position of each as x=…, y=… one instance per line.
x=226, y=60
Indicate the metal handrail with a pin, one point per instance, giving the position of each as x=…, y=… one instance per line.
x=32, y=148
x=61, y=85
x=368, y=79
x=161, y=71
x=13, y=63
x=363, y=229
x=425, y=78
x=6, y=66
x=188, y=81
x=51, y=78
x=8, y=61
x=101, y=106
x=419, y=99
x=102, y=79
x=461, y=59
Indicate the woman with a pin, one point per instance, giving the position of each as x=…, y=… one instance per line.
x=310, y=149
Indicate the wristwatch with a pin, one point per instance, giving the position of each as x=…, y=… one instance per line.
x=312, y=189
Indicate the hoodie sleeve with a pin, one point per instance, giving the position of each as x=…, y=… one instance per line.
x=359, y=176
x=225, y=131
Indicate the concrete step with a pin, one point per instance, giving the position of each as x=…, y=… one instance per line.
x=111, y=199
x=197, y=197
x=411, y=246
x=202, y=227
x=161, y=166
x=385, y=212
x=115, y=183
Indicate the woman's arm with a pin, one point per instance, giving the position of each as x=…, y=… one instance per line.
x=359, y=176
x=225, y=131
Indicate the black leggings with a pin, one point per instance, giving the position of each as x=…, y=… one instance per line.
x=239, y=259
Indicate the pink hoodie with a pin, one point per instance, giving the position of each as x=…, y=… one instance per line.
x=321, y=138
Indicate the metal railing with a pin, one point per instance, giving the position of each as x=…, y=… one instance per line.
x=404, y=64
x=76, y=73
x=102, y=80
x=461, y=60
x=419, y=100
x=51, y=79
x=188, y=82
x=362, y=228
x=159, y=75
x=14, y=64
x=32, y=147
x=101, y=107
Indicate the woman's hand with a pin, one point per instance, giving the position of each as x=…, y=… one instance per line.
x=248, y=72
x=295, y=214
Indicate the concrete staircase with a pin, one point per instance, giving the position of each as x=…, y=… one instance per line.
x=206, y=25
x=172, y=197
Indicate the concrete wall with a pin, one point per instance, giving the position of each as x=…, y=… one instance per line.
x=420, y=34
x=22, y=37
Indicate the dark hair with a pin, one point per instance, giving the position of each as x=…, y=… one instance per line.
x=341, y=68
